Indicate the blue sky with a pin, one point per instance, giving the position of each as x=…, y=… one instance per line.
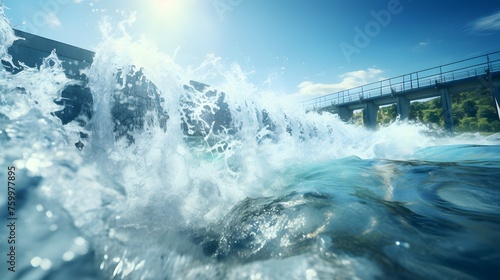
x=307, y=48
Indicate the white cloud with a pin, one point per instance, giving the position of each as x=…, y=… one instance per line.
x=78, y=1
x=52, y=20
x=349, y=80
x=485, y=23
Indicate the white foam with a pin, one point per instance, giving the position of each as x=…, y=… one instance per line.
x=7, y=37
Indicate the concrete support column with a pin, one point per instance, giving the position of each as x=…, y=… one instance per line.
x=447, y=113
x=403, y=107
x=370, y=115
x=345, y=113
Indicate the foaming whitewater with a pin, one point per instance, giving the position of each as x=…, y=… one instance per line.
x=182, y=180
x=7, y=36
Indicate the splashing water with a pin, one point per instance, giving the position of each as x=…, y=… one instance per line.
x=178, y=179
x=7, y=37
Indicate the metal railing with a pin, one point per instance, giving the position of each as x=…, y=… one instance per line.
x=467, y=68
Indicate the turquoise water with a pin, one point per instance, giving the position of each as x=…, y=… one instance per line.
x=274, y=193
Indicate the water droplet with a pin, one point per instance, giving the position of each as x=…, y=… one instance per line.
x=141, y=264
x=403, y=244
x=68, y=256
x=33, y=164
x=36, y=261
x=311, y=274
x=80, y=241
x=46, y=264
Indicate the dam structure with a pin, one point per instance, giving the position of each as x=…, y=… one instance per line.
x=476, y=73
x=133, y=106
x=32, y=49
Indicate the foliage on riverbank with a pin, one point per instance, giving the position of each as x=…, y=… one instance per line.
x=472, y=112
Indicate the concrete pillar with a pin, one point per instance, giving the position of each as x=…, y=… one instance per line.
x=345, y=113
x=403, y=107
x=370, y=115
x=447, y=114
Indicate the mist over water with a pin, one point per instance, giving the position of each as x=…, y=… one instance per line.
x=273, y=193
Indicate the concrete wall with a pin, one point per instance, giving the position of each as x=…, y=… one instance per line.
x=33, y=49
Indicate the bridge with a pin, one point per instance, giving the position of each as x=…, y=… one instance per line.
x=476, y=73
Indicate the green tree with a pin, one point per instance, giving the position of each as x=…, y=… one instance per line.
x=458, y=113
x=468, y=124
x=432, y=115
x=483, y=125
x=416, y=111
x=495, y=126
x=387, y=114
x=488, y=112
x=470, y=108
x=472, y=111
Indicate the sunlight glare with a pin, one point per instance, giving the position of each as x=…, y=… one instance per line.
x=167, y=12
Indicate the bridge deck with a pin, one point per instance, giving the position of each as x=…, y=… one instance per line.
x=463, y=75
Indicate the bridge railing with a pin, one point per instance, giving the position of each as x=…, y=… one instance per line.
x=458, y=70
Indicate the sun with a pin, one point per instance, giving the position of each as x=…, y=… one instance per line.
x=170, y=17
x=174, y=23
x=167, y=5
x=167, y=10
